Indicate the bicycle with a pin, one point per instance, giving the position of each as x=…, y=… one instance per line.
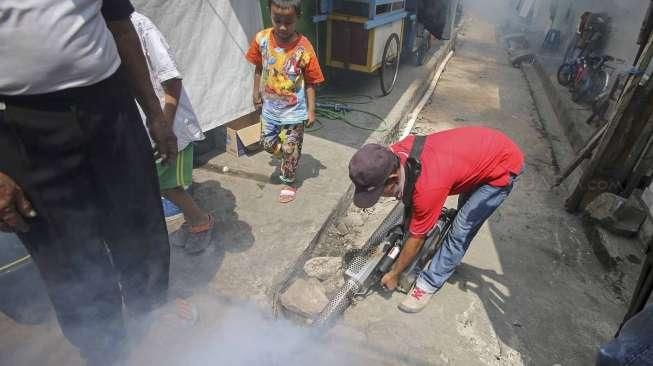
x=592, y=80
x=381, y=250
x=568, y=71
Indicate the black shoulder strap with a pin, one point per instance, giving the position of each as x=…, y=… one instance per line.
x=412, y=169
x=418, y=146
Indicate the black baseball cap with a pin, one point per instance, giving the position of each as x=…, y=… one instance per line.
x=369, y=169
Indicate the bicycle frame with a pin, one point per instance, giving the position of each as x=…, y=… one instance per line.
x=581, y=69
x=592, y=80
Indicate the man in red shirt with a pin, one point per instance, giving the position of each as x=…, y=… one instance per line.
x=477, y=163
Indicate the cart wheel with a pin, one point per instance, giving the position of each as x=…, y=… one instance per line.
x=390, y=64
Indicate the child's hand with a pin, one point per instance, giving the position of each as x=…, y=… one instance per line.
x=311, y=119
x=257, y=101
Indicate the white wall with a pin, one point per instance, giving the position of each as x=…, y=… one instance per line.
x=210, y=38
x=627, y=17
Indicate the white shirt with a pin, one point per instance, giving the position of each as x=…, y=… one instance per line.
x=163, y=67
x=52, y=45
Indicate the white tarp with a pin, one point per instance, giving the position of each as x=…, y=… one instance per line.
x=210, y=38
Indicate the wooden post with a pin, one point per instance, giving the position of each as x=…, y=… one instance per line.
x=635, y=141
x=643, y=164
x=594, y=179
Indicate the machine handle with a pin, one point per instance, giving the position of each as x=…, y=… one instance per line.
x=389, y=259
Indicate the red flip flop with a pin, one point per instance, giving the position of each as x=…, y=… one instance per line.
x=199, y=236
x=287, y=194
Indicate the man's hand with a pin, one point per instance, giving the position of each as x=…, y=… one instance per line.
x=164, y=139
x=14, y=207
x=311, y=119
x=133, y=60
x=390, y=281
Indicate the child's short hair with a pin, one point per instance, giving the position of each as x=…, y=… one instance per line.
x=297, y=4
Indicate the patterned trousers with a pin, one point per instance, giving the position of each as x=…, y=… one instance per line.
x=285, y=142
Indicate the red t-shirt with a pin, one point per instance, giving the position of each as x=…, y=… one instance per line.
x=457, y=161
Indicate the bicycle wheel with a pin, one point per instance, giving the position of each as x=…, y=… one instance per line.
x=570, y=53
x=582, y=88
x=389, y=69
x=565, y=74
x=599, y=87
x=424, y=47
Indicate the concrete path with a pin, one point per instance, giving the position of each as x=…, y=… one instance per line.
x=530, y=290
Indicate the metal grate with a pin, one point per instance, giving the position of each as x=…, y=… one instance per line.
x=338, y=303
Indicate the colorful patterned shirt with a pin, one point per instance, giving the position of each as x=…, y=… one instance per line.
x=286, y=71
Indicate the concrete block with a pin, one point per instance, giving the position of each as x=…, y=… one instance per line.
x=515, y=40
x=619, y=249
x=645, y=234
x=333, y=284
x=617, y=214
x=323, y=268
x=305, y=297
x=517, y=58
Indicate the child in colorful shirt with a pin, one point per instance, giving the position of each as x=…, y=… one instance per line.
x=287, y=70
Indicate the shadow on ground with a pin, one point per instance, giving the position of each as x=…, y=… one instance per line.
x=190, y=273
x=309, y=168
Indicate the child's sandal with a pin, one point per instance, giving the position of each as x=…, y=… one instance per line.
x=287, y=194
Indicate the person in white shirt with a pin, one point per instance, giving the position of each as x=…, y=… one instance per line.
x=174, y=177
x=78, y=183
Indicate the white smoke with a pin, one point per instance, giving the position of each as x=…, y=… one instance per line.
x=236, y=335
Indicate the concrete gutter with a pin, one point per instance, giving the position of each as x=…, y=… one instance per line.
x=552, y=127
x=399, y=117
x=571, y=120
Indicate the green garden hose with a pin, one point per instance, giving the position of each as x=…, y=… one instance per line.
x=341, y=114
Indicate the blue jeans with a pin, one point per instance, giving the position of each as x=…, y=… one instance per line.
x=473, y=209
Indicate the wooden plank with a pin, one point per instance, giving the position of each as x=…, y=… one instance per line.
x=585, y=153
x=640, y=124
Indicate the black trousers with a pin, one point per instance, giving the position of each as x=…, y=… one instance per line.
x=85, y=162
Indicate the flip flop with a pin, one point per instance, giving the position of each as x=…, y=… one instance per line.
x=287, y=194
x=184, y=314
x=199, y=236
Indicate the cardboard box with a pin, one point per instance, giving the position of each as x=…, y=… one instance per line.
x=244, y=134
